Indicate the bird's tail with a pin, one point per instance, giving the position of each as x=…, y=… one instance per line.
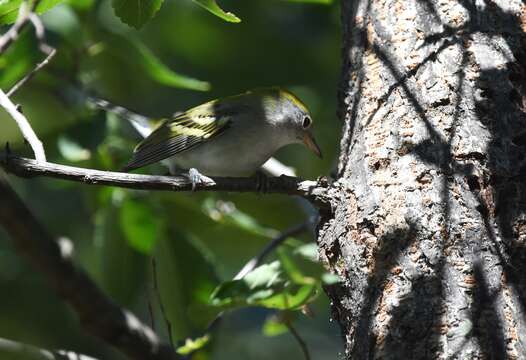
x=141, y=123
x=75, y=94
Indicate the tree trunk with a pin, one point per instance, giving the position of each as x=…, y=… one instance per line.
x=428, y=229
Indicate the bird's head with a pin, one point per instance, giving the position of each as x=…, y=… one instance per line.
x=298, y=121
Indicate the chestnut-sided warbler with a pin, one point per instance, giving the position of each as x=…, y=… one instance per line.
x=231, y=136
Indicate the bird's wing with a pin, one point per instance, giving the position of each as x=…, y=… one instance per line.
x=179, y=134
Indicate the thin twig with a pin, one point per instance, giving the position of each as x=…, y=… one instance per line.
x=12, y=349
x=14, y=31
x=298, y=338
x=28, y=168
x=161, y=305
x=26, y=15
x=24, y=126
x=32, y=73
x=150, y=311
x=50, y=51
x=98, y=314
x=40, y=33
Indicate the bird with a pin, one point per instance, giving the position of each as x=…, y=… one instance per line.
x=228, y=137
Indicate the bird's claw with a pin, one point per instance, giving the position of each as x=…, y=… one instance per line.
x=196, y=178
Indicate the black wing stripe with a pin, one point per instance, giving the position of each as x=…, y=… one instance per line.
x=162, y=151
x=153, y=149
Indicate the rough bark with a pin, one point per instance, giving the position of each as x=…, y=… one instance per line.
x=428, y=227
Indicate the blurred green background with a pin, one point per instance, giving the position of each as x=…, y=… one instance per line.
x=198, y=240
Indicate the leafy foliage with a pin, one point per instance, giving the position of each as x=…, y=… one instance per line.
x=199, y=241
x=264, y=286
x=136, y=52
x=136, y=13
x=72, y=151
x=9, y=9
x=192, y=345
x=274, y=326
x=211, y=5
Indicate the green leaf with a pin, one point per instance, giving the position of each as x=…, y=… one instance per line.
x=291, y=298
x=308, y=251
x=9, y=9
x=72, y=151
x=264, y=286
x=274, y=327
x=192, y=345
x=212, y=6
x=18, y=60
x=136, y=12
x=133, y=51
x=293, y=270
x=330, y=279
x=227, y=213
x=140, y=225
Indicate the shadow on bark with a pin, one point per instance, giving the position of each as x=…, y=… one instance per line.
x=502, y=195
x=391, y=247
x=487, y=329
x=413, y=326
x=502, y=111
x=499, y=189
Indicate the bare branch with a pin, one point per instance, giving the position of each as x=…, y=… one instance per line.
x=43, y=46
x=14, y=31
x=12, y=349
x=28, y=168
x=26, y=15
x=32, y=73
x=98, y=314
x=299, y=339
x=24, y=126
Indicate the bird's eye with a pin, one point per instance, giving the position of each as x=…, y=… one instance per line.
x=306, y=122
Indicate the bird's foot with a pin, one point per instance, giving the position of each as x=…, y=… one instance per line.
x=196, y=178
x=261, y=182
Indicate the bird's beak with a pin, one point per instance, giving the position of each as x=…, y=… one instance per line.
x=309, y=141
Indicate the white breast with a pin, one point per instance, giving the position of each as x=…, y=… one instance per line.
x=237, y=152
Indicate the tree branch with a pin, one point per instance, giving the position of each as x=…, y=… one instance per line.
x=14, y=31
x=24, y=126
x=98, y=314
x=14, y=349
x=32, y=73
x=28, y=168
x=299, y=339
x=43, y=46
